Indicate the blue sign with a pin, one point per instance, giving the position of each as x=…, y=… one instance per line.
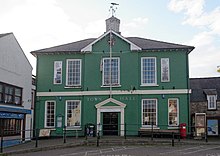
x=5, y=115
x=212, y=127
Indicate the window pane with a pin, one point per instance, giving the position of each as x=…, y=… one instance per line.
x=1, y=88
x=57, y=72
x=8, y=90
x=165, y=70
x=148, y=70
x=17, y=100
x=17, y=91
x=8, y=98
x=149, y=111
x=50, y=114
x=111, y=67
x=211, y=101
x=73, y=113
x=74, y=72
x=173, y=112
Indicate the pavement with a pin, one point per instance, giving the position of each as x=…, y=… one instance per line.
x=58, y=143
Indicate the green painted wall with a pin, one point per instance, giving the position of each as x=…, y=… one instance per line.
x=130, y=78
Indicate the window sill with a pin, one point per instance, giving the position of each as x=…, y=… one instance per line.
x=211, y=109
x=149, y=127
x=114, y=86
x=149, y=85
x=73, y=87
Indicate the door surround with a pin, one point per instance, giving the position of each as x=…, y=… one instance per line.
x=118, y=108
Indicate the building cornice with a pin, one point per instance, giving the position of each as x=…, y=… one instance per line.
x=116, y=92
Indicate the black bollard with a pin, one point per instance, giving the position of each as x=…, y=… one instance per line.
x=172, y=139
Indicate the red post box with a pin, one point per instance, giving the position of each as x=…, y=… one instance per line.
x=183, y=130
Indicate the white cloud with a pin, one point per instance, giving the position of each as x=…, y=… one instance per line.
x=95, y=28
x=205, y=58
x=39, y=24
x=134, y=27
x=189, y=7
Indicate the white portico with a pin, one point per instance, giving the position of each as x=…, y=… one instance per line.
x=118, y=107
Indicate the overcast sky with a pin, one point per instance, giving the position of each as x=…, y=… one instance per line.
x=41, y=24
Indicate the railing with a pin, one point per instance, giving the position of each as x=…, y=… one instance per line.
x=99, y=132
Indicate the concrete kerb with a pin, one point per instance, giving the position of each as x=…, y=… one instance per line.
x=109, y=142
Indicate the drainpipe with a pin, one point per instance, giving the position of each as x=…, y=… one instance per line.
x=188, y=96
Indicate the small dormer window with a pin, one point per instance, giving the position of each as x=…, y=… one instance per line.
x=211, y=102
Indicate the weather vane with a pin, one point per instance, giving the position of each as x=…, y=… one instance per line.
x=113, y=8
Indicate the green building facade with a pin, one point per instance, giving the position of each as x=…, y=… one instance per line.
x=120, y=85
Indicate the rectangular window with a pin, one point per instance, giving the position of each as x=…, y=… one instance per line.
x=73, y=72
x=165, y=70
x=57, y=72
x=148, y=71
x=10, y=126
x=110, y=73
x=50, y=114
x=73, y=113
x=211, y=102
x=17, y=96
x=1, y=93
x=149, y=112
x=173, y=112
x=10, y=94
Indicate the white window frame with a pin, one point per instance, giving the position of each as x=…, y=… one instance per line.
x=56, y=72
x=45, y=117
x=142, y=112
x=168, y=69
x=103, y=72
x=177, y=101
x=73, y=127
x=67, y=77
x=212, y=99
x=155, y=73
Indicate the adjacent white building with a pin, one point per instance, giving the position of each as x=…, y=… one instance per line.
x=16, y=112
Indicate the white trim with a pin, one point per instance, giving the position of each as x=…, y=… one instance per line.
x=177, y=112
x=161, y=67
x=148, y=126
x=45, y=114
x=215, y=99
x=73, y=127
x=116, y=92
x=155, y=74
x=78, y=85
x=55, y=71
x=119, y=103
x=88, y=48
x=120, y=108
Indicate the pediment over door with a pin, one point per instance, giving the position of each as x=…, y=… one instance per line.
x=110, y=102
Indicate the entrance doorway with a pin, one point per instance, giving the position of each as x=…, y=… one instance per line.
x=110, y=123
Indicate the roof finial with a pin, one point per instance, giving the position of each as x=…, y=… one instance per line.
x=113, y=8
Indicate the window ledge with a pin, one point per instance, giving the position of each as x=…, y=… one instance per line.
x=73, y=87
x=148, y=128
x=211, y=109
x=149, y=85
x=114, y=86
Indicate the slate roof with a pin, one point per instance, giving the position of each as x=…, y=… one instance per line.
x=144, y=44
x=2, y=35
x=202, y=86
